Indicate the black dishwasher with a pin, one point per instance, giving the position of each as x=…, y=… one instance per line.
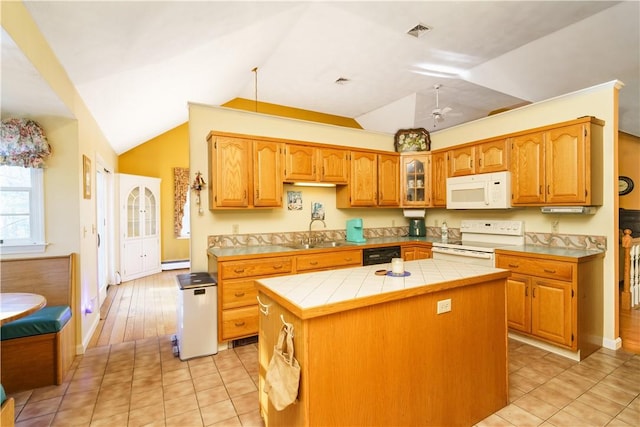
x=383, y=255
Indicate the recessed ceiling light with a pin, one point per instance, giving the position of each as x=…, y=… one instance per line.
x=419, y=30
x=342, y=81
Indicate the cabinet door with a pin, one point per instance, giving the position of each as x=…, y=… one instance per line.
x=492, y=156
x=363, y=187
x=388, y=180
x=439, y=173
x=527, y=169
x=519, y=303
x=566, y=165
x=462, y=161
x=414, y=180
x=300, y=163
x=551, y=314
x=229, y=172
x=334, y=165
x=267, y=174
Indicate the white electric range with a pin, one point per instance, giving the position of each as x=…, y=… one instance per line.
x=479, y=238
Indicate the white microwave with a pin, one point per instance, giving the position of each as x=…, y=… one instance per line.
x=482, y=191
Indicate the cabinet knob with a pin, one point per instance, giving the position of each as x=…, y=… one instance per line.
x=238, y=324
x=277, y=267
x=546, y=270
x=313, y=262
x=348, y=259
x=238, y=270
x=239, y=294
x=513, y=265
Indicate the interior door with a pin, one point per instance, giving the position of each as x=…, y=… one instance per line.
x=102, y=240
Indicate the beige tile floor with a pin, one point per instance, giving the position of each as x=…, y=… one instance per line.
x=141, y=383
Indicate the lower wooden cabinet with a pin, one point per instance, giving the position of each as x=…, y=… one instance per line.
x=555, y=299
x=237, y=304
x=327, y=261
x=414, y=252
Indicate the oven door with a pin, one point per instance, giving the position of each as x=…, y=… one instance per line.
x=464, y=256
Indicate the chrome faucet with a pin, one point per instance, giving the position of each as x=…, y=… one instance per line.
x=311, y=223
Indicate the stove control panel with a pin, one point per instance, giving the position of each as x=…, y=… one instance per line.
x=497, y=227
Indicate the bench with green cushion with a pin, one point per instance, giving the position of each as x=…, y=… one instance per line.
x=44, y=321
x=38, y=350
x=7, y=409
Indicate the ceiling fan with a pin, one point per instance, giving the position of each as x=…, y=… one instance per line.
x=438, y=113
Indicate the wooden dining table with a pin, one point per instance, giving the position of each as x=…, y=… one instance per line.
x=14, y=305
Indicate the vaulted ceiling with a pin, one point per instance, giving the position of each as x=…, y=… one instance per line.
x=137, y=65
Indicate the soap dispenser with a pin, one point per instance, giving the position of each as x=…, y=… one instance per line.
x=445, y=231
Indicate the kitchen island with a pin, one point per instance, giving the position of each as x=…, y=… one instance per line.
x=373, y=349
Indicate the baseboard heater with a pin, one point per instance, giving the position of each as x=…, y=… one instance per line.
x=176, y=265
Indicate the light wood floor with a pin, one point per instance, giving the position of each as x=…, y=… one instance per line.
x=138, y=309
x=146, y=307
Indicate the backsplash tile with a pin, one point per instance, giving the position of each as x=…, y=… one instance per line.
x=234, y=240
x=569, y=241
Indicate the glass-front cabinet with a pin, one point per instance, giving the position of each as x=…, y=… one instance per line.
x=415, y=180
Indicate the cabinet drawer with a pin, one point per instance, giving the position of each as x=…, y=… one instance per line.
x=536, y=267
x=238, y=293
x=324, y=260
x=255, y=267
x=239, y=322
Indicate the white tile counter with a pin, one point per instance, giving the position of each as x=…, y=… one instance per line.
x=325, y=292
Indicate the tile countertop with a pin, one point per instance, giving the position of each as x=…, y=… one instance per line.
x=551, y=252
x=539, y=251
x=325, y=292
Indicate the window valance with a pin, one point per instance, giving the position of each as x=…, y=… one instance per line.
x=23, y=143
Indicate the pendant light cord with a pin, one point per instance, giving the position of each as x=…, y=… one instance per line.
x=255, y=71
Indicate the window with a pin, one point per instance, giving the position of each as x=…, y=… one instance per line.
x=21, y=210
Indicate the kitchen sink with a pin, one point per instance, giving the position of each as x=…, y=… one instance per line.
x=316, y=245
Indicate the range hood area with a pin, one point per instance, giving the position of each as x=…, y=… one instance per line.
x=582, y=210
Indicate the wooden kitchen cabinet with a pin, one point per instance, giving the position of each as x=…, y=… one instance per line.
x=555, y=300
x=244, y=172
x=558, y=165
x=373, y=181
x=439, y=173
x=424, y=179
x=237, y=304
x=388, y=180
x=328, y=261
x=483, y=157
x=414, y=252
x=308, y=163
x=415, y=180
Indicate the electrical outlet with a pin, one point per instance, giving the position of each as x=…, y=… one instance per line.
x=555, y=226
x=444, y=306
x=235, y=228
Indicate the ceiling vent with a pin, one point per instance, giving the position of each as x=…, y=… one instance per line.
x=419, y=30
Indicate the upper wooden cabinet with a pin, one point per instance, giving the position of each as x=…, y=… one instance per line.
x=439, y=174
x=244, y=172
x=388, y=180
x=423, y=179
x=308, y=163
x=373, y=181
x=415, y=179
x=558, y=165
x=484, y=157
